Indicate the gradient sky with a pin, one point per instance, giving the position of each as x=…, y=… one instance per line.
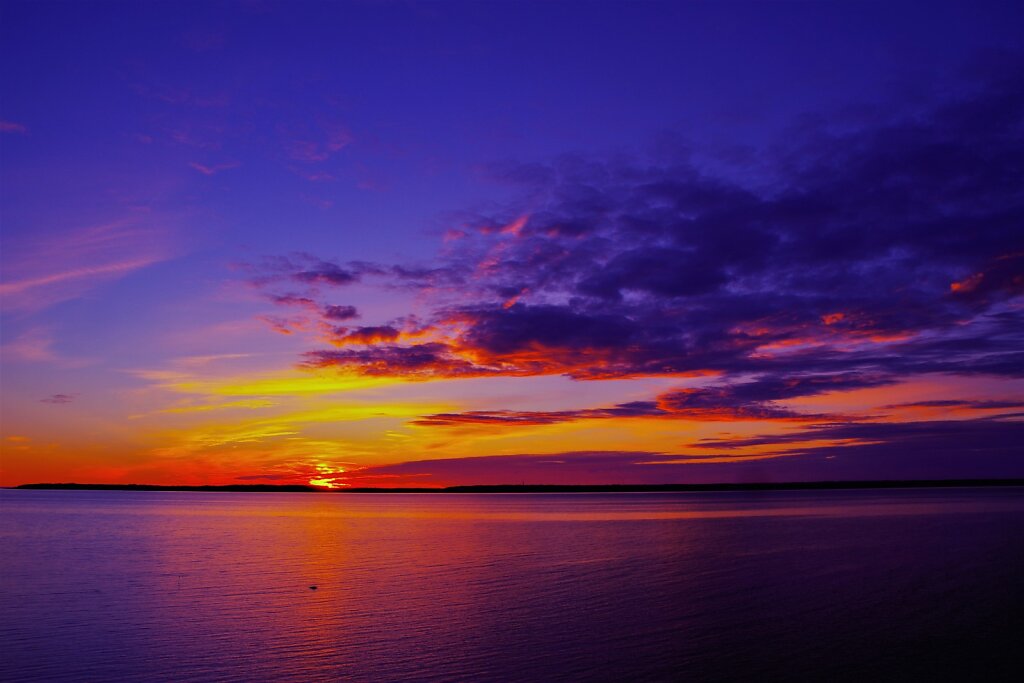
x=401, y=243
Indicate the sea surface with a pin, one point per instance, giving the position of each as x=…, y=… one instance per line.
x=714, y=586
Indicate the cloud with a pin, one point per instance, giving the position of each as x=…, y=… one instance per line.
x=320, y=144
x=340, y=312
x=295, y=300
x=37, y=345
x=321, y=317
x=968, y=438
x=1003, y=276
x=589, y=467
x=887, y=250
x=523, y=417
x=958, y=403
x=22, y=286
x=12, y=127
x=420, y=361
x=304, y=269
x=754, y=400
x=44, y=271
x=58, y=399
x=365, y=335
x=214, y=169
x=866, y=451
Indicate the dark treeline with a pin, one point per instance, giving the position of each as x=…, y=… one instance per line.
x=244, y=488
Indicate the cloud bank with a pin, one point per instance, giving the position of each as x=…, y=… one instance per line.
x=853, y=256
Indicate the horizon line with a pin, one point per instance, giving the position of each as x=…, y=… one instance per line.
x=538, y=488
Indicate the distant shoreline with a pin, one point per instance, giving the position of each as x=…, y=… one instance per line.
x=547, y=488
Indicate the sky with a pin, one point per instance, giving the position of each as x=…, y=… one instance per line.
x=439, y=243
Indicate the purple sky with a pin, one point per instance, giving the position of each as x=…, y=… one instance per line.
x=434, y=243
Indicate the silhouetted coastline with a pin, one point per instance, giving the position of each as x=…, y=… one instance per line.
x=548, y=488
x=241, y=488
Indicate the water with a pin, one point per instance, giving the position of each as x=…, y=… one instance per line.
x=833, y=585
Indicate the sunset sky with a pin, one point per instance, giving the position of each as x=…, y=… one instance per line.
x=424, y=244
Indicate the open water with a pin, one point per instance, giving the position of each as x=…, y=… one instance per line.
x=810, y=585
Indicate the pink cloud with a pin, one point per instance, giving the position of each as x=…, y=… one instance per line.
x=207, y=137
x=43, y=272
x=12, y=127
x=35, y=345
x=311, y=148
x=21, y=286
x=214, y=169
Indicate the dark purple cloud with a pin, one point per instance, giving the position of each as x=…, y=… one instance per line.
x=872, y=451
x=304, y=269
x=58, y=399
x=418, y=360
x=337, y=313
x=941, y=435
x=328, y=314
x=753, y=400
x=955, y=403
x=575, y=467
x=889, y=249
x=294, y=300
x=530, y=417
x=325, y=273
x=850, y=256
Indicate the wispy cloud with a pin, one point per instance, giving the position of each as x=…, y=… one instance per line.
x=312, y=145
x=41, y=272
x=214, y=169
x=756, y=400
x=37, y=345
x=12, y=127
x=21, y=286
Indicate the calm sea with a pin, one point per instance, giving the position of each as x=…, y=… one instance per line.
x=819, y=586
